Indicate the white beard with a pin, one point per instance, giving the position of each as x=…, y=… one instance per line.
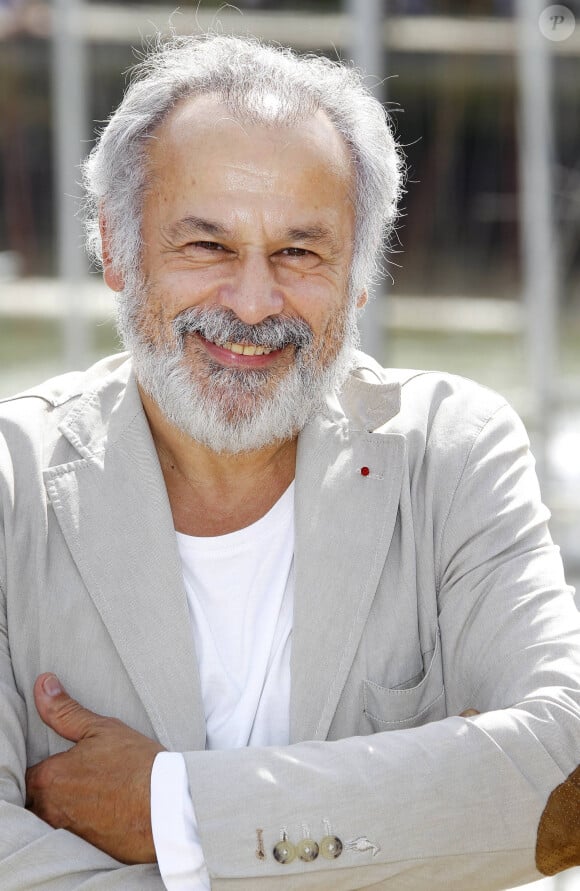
x=227, y=409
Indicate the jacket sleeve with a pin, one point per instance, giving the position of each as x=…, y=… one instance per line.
x=457, y=803
x=32, y=854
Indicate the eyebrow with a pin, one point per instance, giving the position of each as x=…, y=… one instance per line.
x=310, y=233
x=314, y=235
x=185, y=227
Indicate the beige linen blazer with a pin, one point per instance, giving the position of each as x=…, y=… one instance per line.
x=423, y=588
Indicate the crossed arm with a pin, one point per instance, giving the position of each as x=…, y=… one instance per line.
x=99, y=789
x=459, y=799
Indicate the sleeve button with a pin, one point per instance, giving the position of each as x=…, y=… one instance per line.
x=331, y=847
x=307, y=850
x=284, y=852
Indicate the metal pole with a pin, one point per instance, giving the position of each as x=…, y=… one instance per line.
x=539, y=260
x=367, y=50
x=69, y=115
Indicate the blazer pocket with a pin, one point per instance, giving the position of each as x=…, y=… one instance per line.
x=407, y=706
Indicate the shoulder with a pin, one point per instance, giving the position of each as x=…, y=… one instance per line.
x=428, y=397
x=31, y=419
x=64, y=388
x=444, y=418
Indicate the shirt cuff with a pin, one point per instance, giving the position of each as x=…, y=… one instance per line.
x=173, y=821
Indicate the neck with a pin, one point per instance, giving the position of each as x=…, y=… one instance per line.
x=214, y=493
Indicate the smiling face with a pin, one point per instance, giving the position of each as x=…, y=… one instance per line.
x=248, y=234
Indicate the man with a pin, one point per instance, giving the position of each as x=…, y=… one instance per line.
x=309, y=611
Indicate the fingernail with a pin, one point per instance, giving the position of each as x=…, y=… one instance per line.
x=51, y=685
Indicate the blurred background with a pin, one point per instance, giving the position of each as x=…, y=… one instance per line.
x=483, y=276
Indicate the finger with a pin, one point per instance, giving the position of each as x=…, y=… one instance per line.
x=60, y=712
x=469, y=713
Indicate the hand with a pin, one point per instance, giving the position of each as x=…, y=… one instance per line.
x=100, y=788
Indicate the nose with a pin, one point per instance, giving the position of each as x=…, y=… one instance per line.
x=252, y=293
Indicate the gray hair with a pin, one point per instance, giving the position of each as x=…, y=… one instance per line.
x=244, y=74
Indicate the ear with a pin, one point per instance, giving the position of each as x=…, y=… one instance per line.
x=112, y=277
x=362, y=299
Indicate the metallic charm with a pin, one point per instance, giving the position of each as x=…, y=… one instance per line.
x=361, y=845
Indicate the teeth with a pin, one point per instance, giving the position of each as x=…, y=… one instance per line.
x=245, y=349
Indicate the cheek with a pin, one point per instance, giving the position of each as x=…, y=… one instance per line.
x=154, y=320
x=328, y=322
x=189, y=287
x=315, y=299
x=333, y=331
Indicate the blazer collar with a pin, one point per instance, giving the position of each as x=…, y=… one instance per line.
x=370, y=397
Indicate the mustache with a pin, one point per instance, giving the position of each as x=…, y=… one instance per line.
x=221, y=325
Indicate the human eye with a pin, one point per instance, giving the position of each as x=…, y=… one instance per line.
x=207, y=245
x=296, y=252
x=298, y=257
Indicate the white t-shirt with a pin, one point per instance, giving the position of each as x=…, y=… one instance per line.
x=240, y=591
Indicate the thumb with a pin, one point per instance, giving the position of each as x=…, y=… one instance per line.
x=59, y=711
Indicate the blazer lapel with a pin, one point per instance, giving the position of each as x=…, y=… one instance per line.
x=114, y=513
x=344, y=524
